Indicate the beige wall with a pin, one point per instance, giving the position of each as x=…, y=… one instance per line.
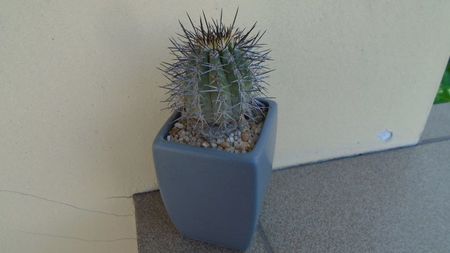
x=79, y=102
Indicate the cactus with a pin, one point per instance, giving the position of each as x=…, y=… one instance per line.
x=217, y=75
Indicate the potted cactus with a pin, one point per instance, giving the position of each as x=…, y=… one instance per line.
x=213, y=156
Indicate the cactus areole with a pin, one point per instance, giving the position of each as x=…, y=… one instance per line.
x=217, y=76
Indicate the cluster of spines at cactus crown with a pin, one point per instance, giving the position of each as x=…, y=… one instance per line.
x=218, y=74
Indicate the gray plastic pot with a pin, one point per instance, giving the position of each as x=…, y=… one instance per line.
x=212, y=195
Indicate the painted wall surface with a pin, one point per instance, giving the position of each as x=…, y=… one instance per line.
x=79, y=99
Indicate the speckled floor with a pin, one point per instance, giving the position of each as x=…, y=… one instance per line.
x=393, y=201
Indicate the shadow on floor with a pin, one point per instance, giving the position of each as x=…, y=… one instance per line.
x=156, y=233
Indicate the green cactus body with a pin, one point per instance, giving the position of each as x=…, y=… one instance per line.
x=217, y=76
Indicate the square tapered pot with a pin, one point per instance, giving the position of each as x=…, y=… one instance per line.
x=212, y=195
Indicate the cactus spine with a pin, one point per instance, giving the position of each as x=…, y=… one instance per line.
x=217, y=75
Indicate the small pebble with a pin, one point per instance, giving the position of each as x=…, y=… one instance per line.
x=230, y=149
x=245, y=136
x=245, y=146
x=174, y=131
x=205, y=144
x=224, y=145
x=169, y=137
x=258, y=128
x=214, y=145
x=179, y=125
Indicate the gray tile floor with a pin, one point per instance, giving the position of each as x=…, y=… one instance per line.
x=394, y=201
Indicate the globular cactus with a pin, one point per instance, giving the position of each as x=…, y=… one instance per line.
x=217, y=75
